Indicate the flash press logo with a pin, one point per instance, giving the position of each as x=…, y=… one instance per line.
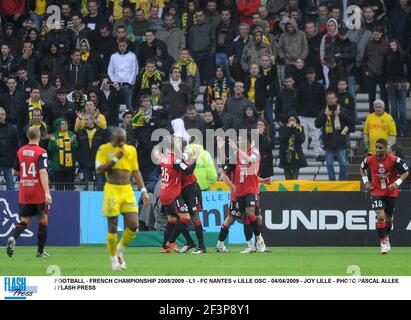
x=16, y=288
x=8, y=221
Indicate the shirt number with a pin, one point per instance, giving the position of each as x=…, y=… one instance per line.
x=164, y=175
x=31, y=171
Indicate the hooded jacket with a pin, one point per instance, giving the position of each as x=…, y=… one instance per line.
x=292, y=134
x=174, y=39
x=328, y=43
x=252, y=53
x=205, y=170
x=293, y=46
x=250, y=123
x=53, y=64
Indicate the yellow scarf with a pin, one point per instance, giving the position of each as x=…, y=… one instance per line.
x=90, y=135
x=251, y=91
x=33, y=106
x=190, y=66
x=328, y=123
x=65, y=153
x=85, y=56
x=145, y=82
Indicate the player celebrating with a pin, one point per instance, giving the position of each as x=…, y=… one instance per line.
x=34, y=194
x=119, y=162
x=384, y=187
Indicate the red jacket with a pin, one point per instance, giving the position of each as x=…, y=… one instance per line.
x=12, y=7
x=247, y=8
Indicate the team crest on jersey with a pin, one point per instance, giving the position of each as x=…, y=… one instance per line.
x=381, y=170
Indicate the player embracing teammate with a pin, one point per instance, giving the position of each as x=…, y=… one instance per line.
x=388, y=172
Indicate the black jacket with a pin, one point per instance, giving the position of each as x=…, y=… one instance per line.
x=8, y=145
x=297, y=155
x=225, y=35
x=310, y=99
x=31, y=64
x=110, y=106
x=285, y=103
x=266, y=148
x=335, y=140
x=147, y=52
x=396, y=67
x=53, y=64
x=12, y=104
x=345, y=57
x=249, y=123
x=347, y=101
x=86, y=156
x=7, y=67
x=67, y=111
x=61, y=38
x=79, y=74
x=314, y=58
x=25, y=86
x=175, y=102
x=25, y=115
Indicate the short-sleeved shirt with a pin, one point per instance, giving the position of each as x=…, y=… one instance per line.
x=384, y=174
x=128, y=162
x=30, y=160
x=377, y=127
x=246, y=174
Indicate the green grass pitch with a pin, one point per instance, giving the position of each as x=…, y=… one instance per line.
x=93, y=261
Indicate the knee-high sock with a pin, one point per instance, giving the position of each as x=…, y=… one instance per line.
x=388, y=227
x=19, y=230
x=248, y=229
x=254, y=225
x=223, y=233
x=42, y=236
x=128, y=236
x=382, y=234
x=179, y=228
x=198, y=227
x=168, y=231
x=112, y=239
x=187, y=236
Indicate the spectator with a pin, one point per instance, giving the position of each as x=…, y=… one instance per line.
x=328, y=48
x=89, y=141
x=226, y=32
x=310, y=102
x=398, y=84
x=286, y=101
x=78, y=97
x=266, y=147
x=193, y=120
x=188, y=16
x=335, y=124
x=104, y=44
x=189, y=72
x=397, y=21
x=34, y=102
x=293, y=43
x=126, y=125
x=146, y=78
x=28, y=60
x=148, y=48
x=269, y=76
x=219, y=112
x=154, y=22
x=322, y=19
x=59, y=37
x=78, y=30
x=108, y=96
x=128, y=22
x=218, y=87
x=345, y=99
x=369, y=18
x=164, y=61
x=176, y=95
x=24, y=82
x=237, y=103
x=95, y=18
x=141, y=26
x=360, y=36
x=36, y=121
x=250, y=118
x=54, y=61
x=78, y=71
x=61, y=83
x=202, y=45
x=62, y=148
x=274, y=6
x=379, y=125
x=62, y=108
x=205, y=170
x=237, y=48
x=298, y=72
x=9, y=38
x=292, y=157
x=8, y=149
x=172, y=36
x=314, y=39
x=11, y=101
x=374, y=58
x=345, y=59
x=212, y=16
x=94, y=61
x=254, y=50
x=123, y=69
x=91, y=110
x=7, y=64
x=48, y=92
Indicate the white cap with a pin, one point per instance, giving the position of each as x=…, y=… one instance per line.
x=180, y=130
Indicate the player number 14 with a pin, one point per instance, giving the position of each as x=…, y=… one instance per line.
x=31, y=171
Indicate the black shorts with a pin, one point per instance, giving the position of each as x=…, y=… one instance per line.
x=33, y=210
x=234, y=210
x=177, y=207
x=193, y=197
x=248, y=201
x=384, y=203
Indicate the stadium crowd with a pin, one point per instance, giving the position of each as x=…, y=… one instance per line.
x=287, y=65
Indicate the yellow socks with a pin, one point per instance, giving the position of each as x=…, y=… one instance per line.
x=112, y=244
x=128, y=236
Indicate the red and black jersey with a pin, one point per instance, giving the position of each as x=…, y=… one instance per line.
x=229, y=171
x=172, y=170
x=30, y=160
x=246, y=173
x=188, y=180
x=384, y=174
